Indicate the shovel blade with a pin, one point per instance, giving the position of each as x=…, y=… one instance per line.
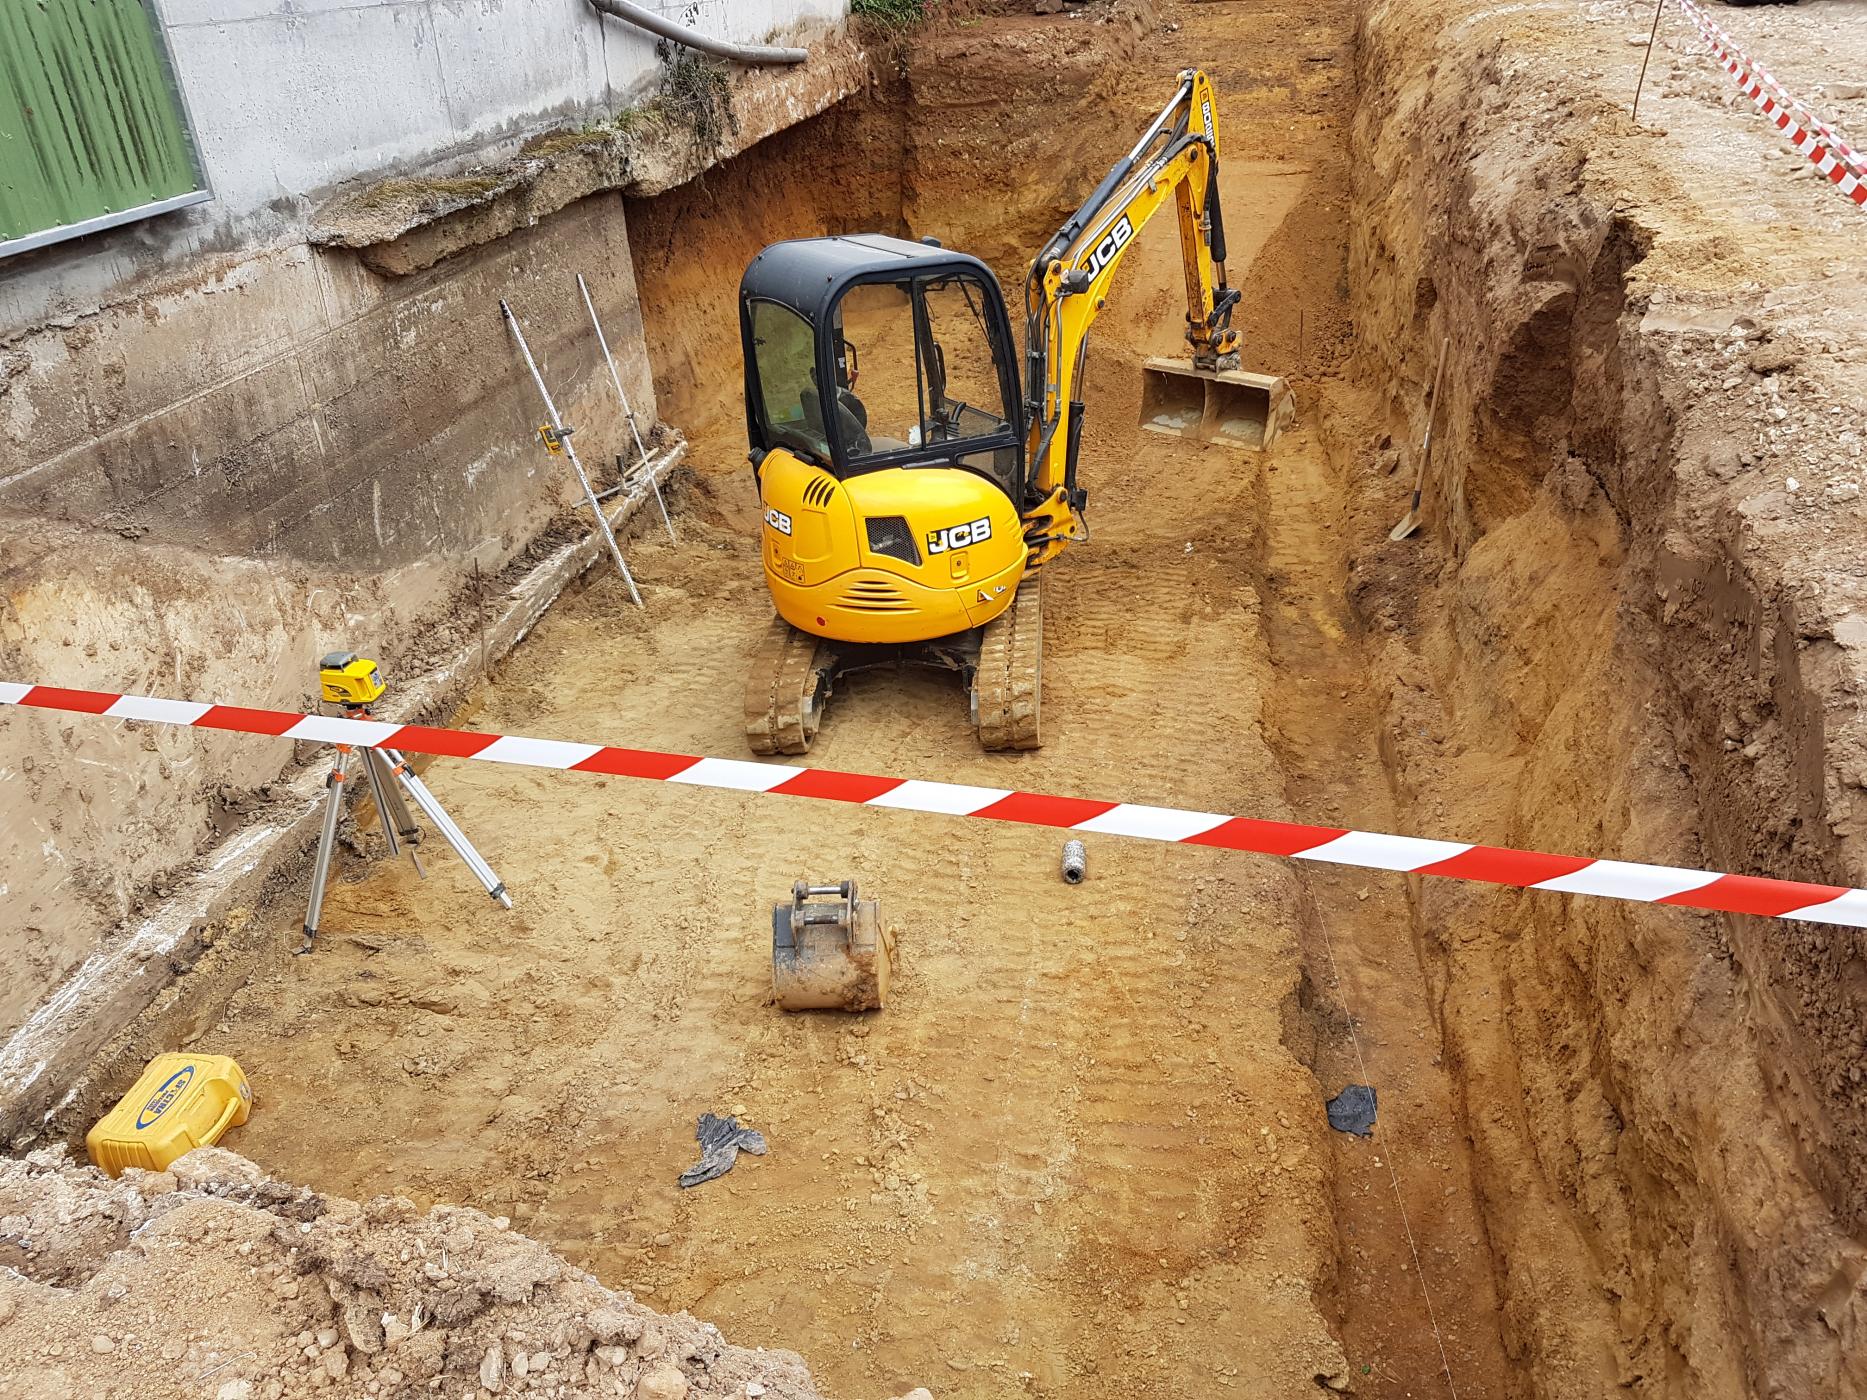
x=1409, y=523
x=1226, y=406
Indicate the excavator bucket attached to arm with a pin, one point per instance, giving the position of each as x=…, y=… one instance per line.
x=1228, y=406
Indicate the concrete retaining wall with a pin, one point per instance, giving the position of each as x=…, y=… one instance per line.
x=252, y=467
x=292, y=99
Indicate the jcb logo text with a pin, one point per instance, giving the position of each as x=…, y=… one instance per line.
x=959, y=536
x=1115, y=240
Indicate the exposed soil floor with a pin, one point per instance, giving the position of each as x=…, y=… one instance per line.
x=1083, y=1150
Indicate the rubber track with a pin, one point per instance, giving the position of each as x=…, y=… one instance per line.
x=1010, y=677
x=780, y=685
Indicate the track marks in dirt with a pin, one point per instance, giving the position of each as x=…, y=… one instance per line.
x=1058, y=1119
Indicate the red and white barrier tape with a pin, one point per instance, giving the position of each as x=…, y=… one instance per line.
x=1459, y=860
x=1754, y=73
x=1808, y=133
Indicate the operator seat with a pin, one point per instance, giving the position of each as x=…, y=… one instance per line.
x=852, y=425
x=852, y=420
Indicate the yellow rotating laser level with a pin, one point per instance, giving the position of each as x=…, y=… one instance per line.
x=346, y=679
x=349, y=679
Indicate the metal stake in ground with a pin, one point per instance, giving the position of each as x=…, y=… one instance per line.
x=556, y=438
x=627, y=412
x=1646, y=58
x=353, y=682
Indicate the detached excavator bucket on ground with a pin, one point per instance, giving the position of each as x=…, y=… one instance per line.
x=829, y=950
x=1228, y=406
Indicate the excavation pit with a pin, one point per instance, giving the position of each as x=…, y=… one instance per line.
x=1083, y=1149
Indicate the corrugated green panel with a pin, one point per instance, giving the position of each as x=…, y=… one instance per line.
x=89, y=120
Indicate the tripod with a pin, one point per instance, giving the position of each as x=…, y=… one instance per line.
x=385, y=768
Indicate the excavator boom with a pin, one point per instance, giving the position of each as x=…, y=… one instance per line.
x=1206, y=398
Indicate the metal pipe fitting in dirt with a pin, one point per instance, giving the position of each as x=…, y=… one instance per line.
x=644, y=18
x=1075, y=863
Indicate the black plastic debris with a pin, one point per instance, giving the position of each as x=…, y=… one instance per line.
x=721, y=1141
x=1352, y=1110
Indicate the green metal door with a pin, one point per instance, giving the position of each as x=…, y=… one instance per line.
x=92, y=131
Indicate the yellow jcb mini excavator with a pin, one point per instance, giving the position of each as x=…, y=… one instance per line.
x=912, y=486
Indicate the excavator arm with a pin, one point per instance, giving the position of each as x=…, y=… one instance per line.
x=1176, y=159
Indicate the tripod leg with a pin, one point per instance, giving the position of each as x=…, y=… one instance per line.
x=394, y=812
x=374, y=775
x=327, y=841
x=444, y=824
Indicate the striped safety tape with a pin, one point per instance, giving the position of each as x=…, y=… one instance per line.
x=1459, y=860
x=1729, y=50
x=1807, y=132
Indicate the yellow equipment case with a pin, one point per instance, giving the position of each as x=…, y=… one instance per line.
x=181, y=1102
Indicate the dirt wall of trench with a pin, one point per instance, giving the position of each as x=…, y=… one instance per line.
x=1590, y=652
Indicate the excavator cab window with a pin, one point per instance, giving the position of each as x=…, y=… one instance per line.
x=967, y=396
x=967, y=390
x=864, y=352
x=784, y=351
x=876, y=321
x=920, y=381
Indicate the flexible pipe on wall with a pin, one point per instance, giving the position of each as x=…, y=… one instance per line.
x=660, y=24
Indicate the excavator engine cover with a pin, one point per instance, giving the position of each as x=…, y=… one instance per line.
x=1227, y=406
x=829, y=950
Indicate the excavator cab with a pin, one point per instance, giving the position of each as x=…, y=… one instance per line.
x=864, y=354
x=887, y=434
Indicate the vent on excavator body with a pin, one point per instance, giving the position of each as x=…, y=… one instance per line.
x=874, y=595
x=889, y=535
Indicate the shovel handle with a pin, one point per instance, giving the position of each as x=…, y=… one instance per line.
x=1432, y=410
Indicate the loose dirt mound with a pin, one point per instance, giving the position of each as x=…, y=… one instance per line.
x=215, y=1279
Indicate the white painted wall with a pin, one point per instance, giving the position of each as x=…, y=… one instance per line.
x=291, y=99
